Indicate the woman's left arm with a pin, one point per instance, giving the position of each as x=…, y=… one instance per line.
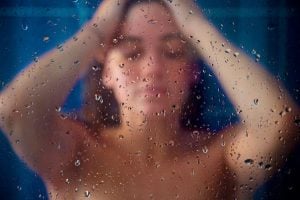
x=267, y=111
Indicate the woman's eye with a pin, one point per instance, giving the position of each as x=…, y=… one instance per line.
x=174, y=53
x=133, y=55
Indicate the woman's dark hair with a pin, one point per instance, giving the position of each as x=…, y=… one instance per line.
x=101, y=110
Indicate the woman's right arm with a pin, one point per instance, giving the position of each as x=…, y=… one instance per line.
x=30, y=105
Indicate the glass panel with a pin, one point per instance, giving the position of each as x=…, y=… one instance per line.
x=149, y=99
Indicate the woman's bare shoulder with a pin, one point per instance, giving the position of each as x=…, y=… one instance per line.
x=198, y=138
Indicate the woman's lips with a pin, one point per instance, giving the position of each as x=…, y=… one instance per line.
x=154, y=91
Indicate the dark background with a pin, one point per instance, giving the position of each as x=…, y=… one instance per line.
x=269, y=28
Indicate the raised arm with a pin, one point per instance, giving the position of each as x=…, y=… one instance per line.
x=267, y=112
x=30, y=105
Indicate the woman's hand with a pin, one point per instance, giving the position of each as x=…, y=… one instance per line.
x=106, y=21
x=187, y=15
x=193, y=25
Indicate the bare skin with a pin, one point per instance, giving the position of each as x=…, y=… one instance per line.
x=148, y=155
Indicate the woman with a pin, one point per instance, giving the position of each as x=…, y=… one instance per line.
x=149, y=66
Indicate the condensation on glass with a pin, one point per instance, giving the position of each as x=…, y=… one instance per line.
x=156, y=99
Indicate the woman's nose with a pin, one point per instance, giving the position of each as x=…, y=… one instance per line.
x=153, y=67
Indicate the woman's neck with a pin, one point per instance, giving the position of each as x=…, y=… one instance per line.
x=152, y=135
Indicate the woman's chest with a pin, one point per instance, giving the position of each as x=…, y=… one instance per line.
x=192, y=177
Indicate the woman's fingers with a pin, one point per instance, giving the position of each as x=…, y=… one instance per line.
x=185, y=12
x=108, y=16
x=183, y=7
x=106, y=20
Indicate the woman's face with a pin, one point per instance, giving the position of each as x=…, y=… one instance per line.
x=150, y=66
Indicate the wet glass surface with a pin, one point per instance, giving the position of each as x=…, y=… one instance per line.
x=267, y=31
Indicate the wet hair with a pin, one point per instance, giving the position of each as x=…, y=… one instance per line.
x=101, y=110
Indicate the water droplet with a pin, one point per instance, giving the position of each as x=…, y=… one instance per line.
x=171, y=142
x=121, y=65
x=282, y=113
x=24, y=27
x=157, y=164
x=28, y=105
x=297, y=122
x=121, y=137
x=67, y=181
x=95, y=68
x=268, y=167
x=98, y=98
x=249, y=161
x=60, y=46
x=204, y=149
x=260, y=164
x=193, y=172
x=115, y=41
x=280, y=138
x=271, y=27
x=19, y=188
x=255, y=101
x=236, y=54
x=77, y=163
x=46, y=39
x=227, y=50
x=223, y=144
x=63, y=116
x=36, y=59
x=58, y=109
x=152, y=21
x=191, y=12
x=87, y=194
x=289, y=109
x=102, y=44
